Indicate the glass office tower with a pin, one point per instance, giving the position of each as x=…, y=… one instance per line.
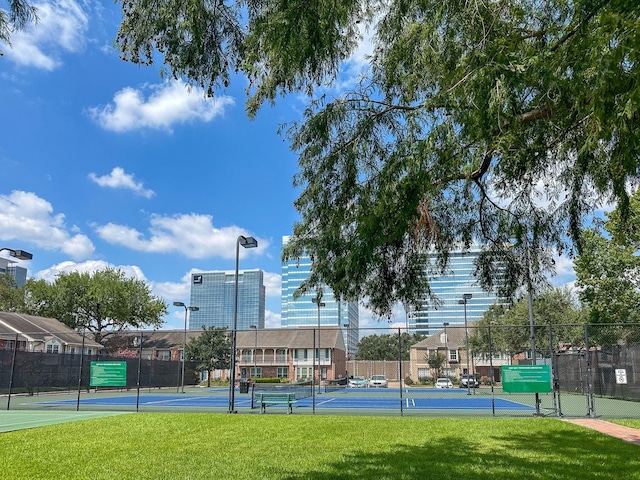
x=303, y=312
x=449, y=289
x=214, y=294
x=18, y=273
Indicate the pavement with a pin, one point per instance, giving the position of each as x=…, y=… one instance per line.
x=628, y=434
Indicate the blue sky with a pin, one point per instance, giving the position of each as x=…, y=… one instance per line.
x=106, y=164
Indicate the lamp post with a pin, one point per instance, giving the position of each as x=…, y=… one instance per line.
x=19, y=254
x=246, y=242
x=465, y=298
x=318, y=301
x=446, y=349
x=184, y=345
x=255, y=350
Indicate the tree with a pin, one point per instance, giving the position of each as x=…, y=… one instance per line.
x=11, y=297
x=436, y=361
x=19, y=15
x=211, y=350
x=510, y=331
x=496, y=122
x=608, y=268
x=103, y=303
x=385, y=346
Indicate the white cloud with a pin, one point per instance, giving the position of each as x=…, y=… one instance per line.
x=192, y=235
x=273, y=284
x=90, y=266
x=167, y=104
x=28, y=218
x=272, y=320
x=61, y=27
x=119, y=179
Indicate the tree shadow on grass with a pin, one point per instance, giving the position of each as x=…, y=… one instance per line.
x=557, y=454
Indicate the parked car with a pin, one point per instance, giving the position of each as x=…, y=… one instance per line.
x=444, y=383
x=358, y=382
x=468, y=381
x=378, y=381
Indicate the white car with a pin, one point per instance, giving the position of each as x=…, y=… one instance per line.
x=444, y=383
x=378, y=381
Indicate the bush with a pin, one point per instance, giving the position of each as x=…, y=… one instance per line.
x=408, y=381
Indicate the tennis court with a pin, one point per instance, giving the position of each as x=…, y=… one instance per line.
x=363, y=400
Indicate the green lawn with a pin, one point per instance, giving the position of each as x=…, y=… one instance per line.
x=274, y=446
x=628, y=423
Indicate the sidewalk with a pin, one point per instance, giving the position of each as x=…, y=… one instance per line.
x=628, y=434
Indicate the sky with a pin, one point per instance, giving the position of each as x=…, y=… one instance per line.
x=106, y=164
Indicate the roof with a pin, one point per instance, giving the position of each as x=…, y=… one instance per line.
x=35, y=328
x=301, y=337
x=456, y=338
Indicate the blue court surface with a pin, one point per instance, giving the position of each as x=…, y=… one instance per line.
x=342, y=399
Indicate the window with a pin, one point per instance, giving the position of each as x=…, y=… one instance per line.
x=53, y=348
x=304, y=373
x=453, y=355
x=8, y=345
x=256, y=372
x=283, y=372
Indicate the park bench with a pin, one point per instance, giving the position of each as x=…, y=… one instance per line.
x=275, y=398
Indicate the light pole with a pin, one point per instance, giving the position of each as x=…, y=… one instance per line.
x=246, y=242
x=255, y=350
x=318, y=300
x=184, y=345
x=446, y=349
x=465, y=298
x=19, y=254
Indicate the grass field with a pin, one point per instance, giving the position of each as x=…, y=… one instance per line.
x=274, y=446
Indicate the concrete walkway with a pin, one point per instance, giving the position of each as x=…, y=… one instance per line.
x=628, y=434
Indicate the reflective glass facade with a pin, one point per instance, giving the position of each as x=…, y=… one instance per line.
x=19, y=274
x=302, y=311
x=214, y=294
x=449, y=289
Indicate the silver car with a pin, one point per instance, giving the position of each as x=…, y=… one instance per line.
x=378, y=381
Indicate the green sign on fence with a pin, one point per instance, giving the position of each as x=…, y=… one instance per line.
x=526, y=378
x=108, y=374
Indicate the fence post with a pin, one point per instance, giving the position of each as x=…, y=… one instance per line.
x=139, y=372
x=13, y=367
x=591, y=409
x=84, y=333
x=400, y=367
x=493, y=398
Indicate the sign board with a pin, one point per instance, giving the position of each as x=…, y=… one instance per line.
x=108, y=374
x=621, y=376
x=526, y=378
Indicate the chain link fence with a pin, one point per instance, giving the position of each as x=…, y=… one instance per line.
x=593, y=371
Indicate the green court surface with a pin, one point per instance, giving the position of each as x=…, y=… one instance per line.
x=21, y=419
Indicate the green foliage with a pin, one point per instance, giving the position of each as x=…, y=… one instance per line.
x=469, y=113
x=211, y=350
x=103, y=302
x=19, y=15
x=11, y=297
x=320, y=447
x=436, y=361
x=608, y=268
x=385, y=346
x=510, y=331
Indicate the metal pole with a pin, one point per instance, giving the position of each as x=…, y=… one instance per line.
x=232, y=370
x=400, y=369
x=313, y=389
x=84, y=331
x=493, y=399
x=466, y=335
x=184, y=345
x=446, y=350
x=139, y=372
x=13, y=367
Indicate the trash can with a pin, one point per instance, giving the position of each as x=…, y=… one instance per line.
x=244, y=386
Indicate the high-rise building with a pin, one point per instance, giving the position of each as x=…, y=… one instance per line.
x=18, y=273
x=214, y=295
x=449, y=289
x=303, y=311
